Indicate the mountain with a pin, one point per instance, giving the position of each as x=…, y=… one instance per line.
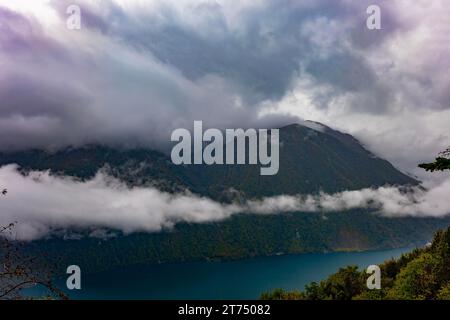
x=313, y=158
x=242, y=236
x=310, y=161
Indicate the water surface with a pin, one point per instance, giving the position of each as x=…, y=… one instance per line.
x=242, y=279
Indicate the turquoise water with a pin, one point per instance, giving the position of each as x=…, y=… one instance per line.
x=242, y=279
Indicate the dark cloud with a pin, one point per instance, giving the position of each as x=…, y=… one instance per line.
x=261, y=53
x=25, y=35
x=137, y=71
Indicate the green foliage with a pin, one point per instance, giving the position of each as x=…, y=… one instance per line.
x=440, y=164
x=444, y=293
x=343, y=285
x=423, y=274
x=280, y=294
x=244, y=236
x=417, y=281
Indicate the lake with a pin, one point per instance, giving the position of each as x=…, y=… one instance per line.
x=242, y=279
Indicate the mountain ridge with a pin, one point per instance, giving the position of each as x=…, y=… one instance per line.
x=311, y=161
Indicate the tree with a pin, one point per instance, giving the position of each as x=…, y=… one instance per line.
x=418, y=280
x=19, y=271
x=441, y=163
x=444, y=293
x=423, y=273
x=280, y=294
x=343, y=285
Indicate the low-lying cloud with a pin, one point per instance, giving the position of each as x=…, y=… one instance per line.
x=41, y=204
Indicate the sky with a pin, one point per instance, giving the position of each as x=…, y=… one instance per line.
x=136, y=70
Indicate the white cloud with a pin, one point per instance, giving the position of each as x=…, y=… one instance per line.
x=42, y=204
x=387, y=201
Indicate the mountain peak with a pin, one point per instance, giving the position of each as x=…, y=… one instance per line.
x=313, y=158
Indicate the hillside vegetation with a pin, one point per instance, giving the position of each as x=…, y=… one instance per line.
x=311, y=161
x=423, y=274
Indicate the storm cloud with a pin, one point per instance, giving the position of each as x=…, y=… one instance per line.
x=139, y=69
